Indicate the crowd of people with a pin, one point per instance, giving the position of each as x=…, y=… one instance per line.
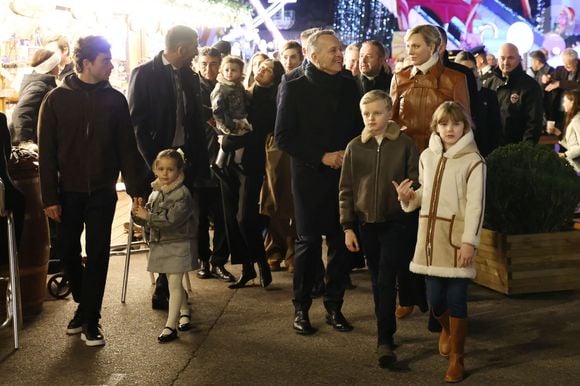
x=385, y=165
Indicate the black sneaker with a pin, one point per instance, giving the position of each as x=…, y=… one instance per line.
x=92, y=335
x=75, y=326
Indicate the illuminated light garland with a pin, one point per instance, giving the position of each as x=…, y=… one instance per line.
x=359, y=20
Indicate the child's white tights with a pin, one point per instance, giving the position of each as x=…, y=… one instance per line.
x=177, y=299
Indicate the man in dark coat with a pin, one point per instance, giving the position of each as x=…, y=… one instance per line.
x=372, y=68
x=519, y=97
x=208, y=189
x=317, y=116
x=85, y=138
x=165, y=103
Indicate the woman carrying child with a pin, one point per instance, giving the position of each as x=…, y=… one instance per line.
x=452, y=200
x=170, y=217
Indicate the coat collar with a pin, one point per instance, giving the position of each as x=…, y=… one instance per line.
x=156, y=185
x=392, y=132
x=464, y=145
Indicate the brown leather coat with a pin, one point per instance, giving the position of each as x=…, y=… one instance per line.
x=416, y=98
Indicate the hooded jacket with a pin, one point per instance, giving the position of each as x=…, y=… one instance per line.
x=366, y=194
x=85, y=139
x=25, y=115
x=452, y=201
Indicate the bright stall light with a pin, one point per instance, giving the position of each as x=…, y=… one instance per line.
x=521, y=35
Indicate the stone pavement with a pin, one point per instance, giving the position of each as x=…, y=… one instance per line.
x=245, y=337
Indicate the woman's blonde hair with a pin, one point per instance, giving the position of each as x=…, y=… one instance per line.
x=171, y=154
x=451, y=111
x=377, y=95
x=429, y=33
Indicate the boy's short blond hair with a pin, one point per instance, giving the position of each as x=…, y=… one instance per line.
x=451, y=111
x=377, y=95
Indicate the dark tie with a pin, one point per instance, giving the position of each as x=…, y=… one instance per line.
x=179, y=137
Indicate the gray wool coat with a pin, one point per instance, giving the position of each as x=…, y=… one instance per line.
x=172, y=227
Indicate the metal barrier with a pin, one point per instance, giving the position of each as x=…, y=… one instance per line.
x=13, y=302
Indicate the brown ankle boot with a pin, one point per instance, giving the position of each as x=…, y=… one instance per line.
x=458, y=330
x=444, y=335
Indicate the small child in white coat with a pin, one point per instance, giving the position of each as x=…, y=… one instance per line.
x=170, y=218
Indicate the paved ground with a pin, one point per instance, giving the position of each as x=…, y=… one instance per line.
x=245, y=337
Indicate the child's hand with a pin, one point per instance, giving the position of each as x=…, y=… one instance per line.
x=405, y=191
x=138, y=209
x=351, y=241
x=466, y=255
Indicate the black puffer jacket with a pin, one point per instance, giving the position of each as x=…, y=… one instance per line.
x=25, y=116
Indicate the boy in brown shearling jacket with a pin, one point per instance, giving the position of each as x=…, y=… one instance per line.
x=381, y=154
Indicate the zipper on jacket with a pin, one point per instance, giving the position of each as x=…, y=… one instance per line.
x=377, y=165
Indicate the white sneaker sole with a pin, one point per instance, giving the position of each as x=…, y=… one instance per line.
x=92, y=343
x=74, y=331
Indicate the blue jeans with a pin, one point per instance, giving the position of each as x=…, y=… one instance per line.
x=448, y=293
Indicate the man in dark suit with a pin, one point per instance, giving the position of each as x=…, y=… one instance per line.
x=564, y=78
x=318, y=115
x=165, y=104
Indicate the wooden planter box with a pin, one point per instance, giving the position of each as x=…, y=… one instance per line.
x=520, y=264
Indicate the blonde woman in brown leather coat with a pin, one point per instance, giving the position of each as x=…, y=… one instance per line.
x=419, y=89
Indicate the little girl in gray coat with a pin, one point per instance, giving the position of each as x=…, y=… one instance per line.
x=170, y=217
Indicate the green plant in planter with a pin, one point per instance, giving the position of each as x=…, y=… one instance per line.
x=529, y=190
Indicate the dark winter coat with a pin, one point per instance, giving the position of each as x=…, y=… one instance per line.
x=318, y=113
x=25, y=115
x=380, y=82
x=152, y=102
x=85, y=138
x=521, y=106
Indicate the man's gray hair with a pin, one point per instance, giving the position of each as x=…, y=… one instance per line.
x=570, y=52
x=312, y=46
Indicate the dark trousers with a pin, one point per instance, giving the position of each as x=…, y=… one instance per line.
x=249, y=219
x=307, y=266
x=94, y=212
x=210, y=207
x=387, y=255
x=448, y=293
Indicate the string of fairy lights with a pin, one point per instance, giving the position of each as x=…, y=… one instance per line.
x=359, y=20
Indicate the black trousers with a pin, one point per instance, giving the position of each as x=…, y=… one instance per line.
x=249, y=219
x=210, y=207
x=93, y=212
x=387, y=254
x=307, y=266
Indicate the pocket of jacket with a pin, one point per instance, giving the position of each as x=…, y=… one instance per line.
x=456, y=228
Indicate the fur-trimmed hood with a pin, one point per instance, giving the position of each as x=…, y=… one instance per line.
x=156, y=185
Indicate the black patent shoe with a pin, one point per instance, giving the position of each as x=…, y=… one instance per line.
x=165, y=338
x=302, y=324
x=184, y=323
x=337, y=320
x=265, y=274
x=386, y=356
x=248, y=274
x=204, y=271
x=220, y=272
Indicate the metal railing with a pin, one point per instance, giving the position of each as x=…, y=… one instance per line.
x=13, y=302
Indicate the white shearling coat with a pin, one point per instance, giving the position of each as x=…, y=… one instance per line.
x=452, y=201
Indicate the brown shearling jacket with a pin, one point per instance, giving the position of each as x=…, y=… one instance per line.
x=415, y=98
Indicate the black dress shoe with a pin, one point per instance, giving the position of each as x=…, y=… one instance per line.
x=164, y=338
x=220, y=272
x=302, y=324
x=338, y=321
x=204, y=271
x=248, y=273
x=265, y=274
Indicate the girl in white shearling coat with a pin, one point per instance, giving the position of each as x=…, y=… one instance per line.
x=452, y=201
